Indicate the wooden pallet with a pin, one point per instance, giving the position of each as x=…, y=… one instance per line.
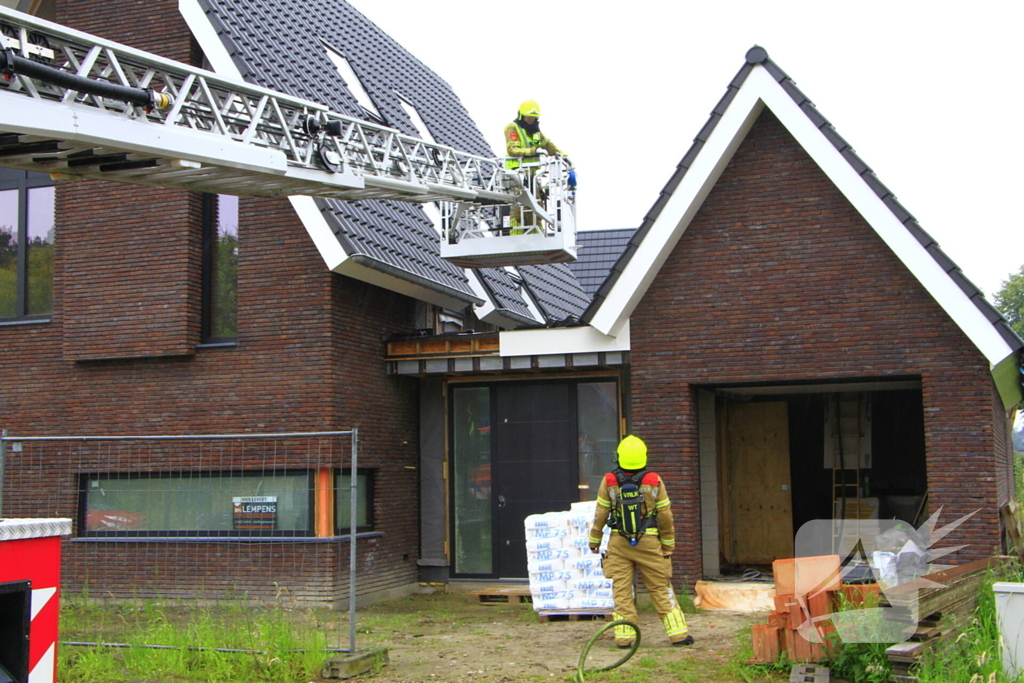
x=498, y=595
x=572, y=616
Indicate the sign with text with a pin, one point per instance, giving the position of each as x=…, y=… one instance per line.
x=255, y=512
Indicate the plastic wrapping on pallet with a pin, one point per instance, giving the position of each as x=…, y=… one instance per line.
x=581, y=542
x=591, y=584
x=554, y=604
x=557, y=554
x=538, y=566
x=548, y=577
x=565, y=576
x=544, y=588
x=547, y=519
x=588, y=561
x=592, y=603
x=547, y=531
x=535, y=544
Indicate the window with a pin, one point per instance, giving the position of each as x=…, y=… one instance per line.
x=220, y=268
x=355, y=86
x=597, y=434
x=417, y=120
x=343, y=501
x=471, y=495
x=26, y=245
x=231, y=504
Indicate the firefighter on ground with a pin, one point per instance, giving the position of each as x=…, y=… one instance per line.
x=633, y=501
x=525, y=143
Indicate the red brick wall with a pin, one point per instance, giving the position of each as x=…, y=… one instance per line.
x=123, y=246
x=151, y=25
x=130, y=272
x=119, y=357
x=777, y=279
x=309, y=357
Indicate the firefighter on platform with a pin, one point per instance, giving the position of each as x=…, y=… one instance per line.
x=634, y=503
x=525, y=143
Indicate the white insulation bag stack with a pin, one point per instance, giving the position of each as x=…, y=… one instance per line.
x=564, y=575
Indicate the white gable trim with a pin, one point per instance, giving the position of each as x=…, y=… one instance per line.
x=561, y=340
x=760, y=89
x=213, y=49
x=613, y=314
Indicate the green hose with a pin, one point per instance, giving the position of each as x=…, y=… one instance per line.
x=593, y=639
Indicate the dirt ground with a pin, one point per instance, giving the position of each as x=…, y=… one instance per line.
x=452, y=638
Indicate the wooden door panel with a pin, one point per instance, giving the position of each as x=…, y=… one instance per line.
x=760, y=510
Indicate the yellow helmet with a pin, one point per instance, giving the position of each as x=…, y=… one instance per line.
x=632, y=454
x=529, y=108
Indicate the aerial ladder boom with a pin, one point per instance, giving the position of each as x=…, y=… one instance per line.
x=78, y=106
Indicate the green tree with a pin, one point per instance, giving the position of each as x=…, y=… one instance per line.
x=1010, y=301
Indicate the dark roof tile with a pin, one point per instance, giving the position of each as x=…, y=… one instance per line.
x=835, y=138
x=813, y=114
x=723, y=103
x=790, y=87
x=598, y=250
x=706, y=131
x=901, y=213
x=876, y=185
x=556, y=291
x=855, y=161
x=281, y=44
x=919, y=233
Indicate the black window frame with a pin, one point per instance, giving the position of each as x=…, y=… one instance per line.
x=209, y=245
x=370, y=525
x=23, y=181
x=83, y=491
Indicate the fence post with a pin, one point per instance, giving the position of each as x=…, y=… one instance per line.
x=3, y=463
x=353, y=485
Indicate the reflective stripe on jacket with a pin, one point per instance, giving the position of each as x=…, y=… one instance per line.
x=521, y=145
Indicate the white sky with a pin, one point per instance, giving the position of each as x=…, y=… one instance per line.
x=928, y=93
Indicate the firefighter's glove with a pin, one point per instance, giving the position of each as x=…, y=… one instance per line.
x=541, y=152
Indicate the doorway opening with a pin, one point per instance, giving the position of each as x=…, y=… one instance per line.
x=784, y=456
x=522, y=448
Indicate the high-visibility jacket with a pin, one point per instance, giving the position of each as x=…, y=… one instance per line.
x=523, y=146
x=655, y=497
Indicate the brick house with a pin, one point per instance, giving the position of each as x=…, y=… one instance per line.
x=800, y=347
x=169, y=313
x=775, y=292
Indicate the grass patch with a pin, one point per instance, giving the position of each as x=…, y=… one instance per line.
x=975, y=654
x=194, y=644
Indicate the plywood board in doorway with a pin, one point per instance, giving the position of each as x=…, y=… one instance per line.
x=755, y=463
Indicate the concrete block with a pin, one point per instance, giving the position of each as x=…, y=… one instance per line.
x=351, y=665
x=810, y=673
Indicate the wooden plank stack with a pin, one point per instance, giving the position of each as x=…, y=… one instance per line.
x=944, y=610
